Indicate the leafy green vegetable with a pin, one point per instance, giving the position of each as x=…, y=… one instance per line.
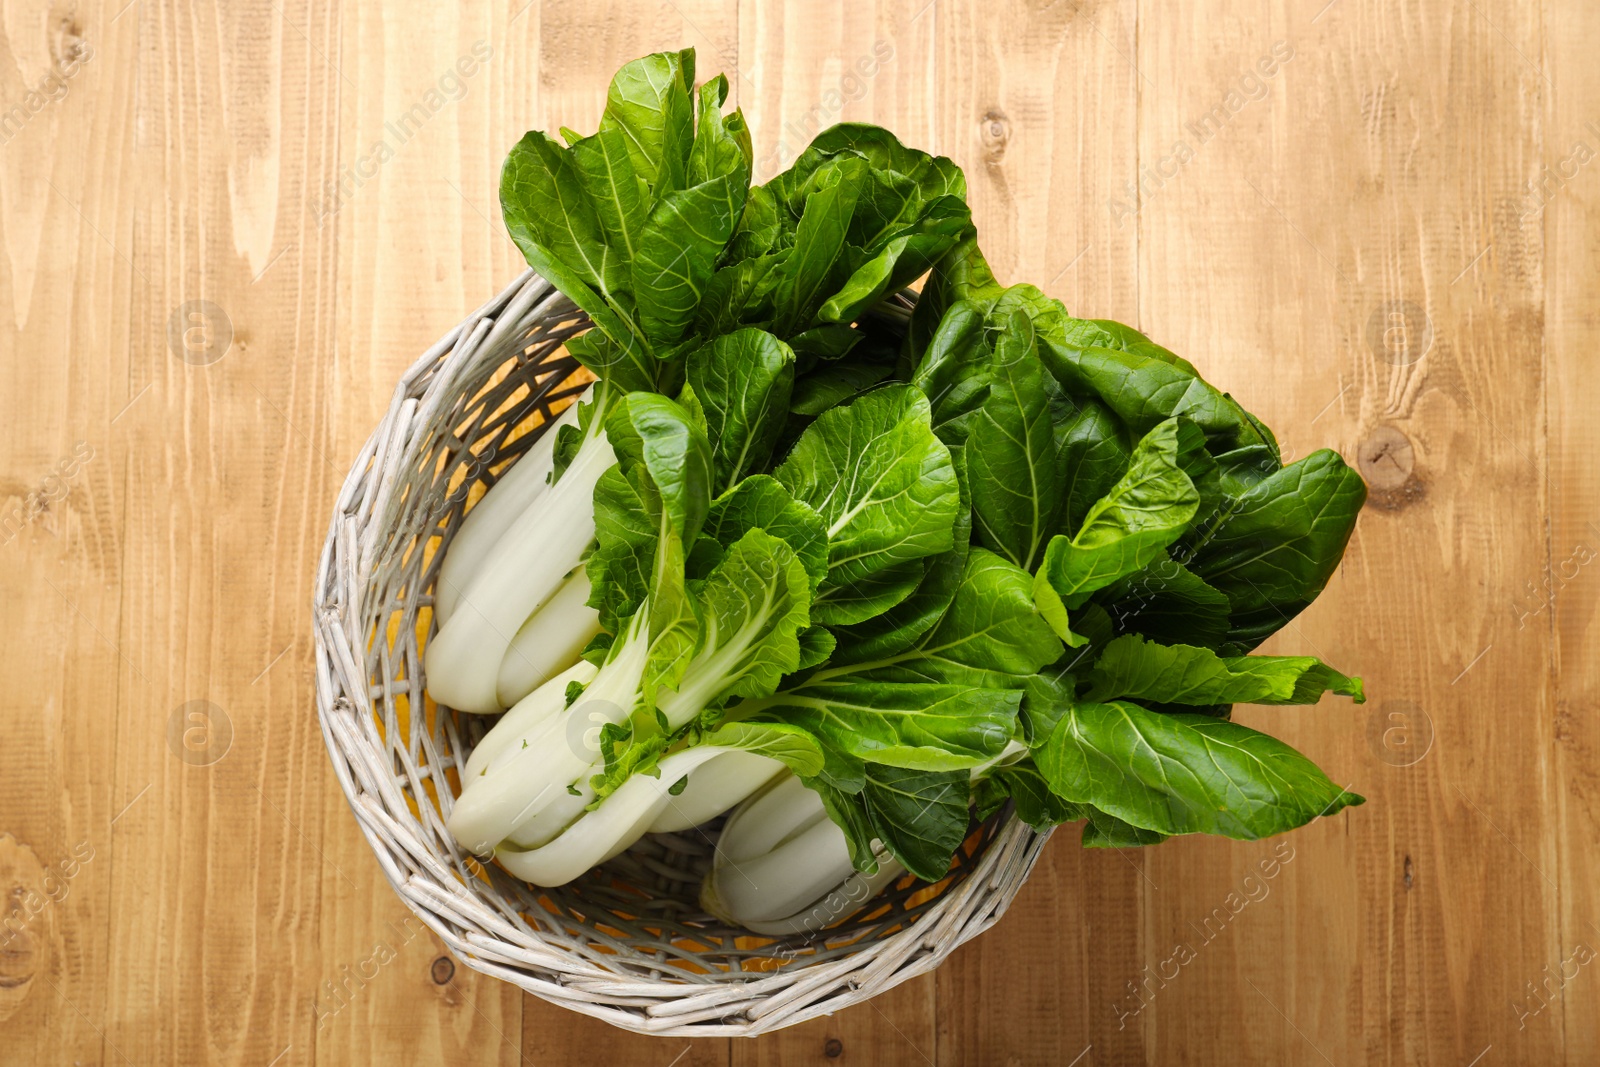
x=1108, y=831
x=742, y=381
x=1276, y=546
x=916, y=725
x=760, y=502
x=1015, y=473
x=1181, y=774
x=1167, y=602
x=1137, y=669
x=631, y=221
x=790, y=745
x=936, y=558
x=921, y=816
x=1095, y=452
x=649, y=505
x=1125, y=531
x=886, y=490
x=955, y=372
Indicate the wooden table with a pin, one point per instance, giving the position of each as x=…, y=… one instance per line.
x=226, y=228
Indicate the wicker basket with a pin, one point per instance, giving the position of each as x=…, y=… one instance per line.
x=627, y=943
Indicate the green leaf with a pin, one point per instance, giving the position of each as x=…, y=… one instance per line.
x=831, y=340
x=752, y=609
x=553, y=221
x=623, y=756
x=859, y=600
x=1274, y=548
x=991, y=635
x=1108, y=831
x=1243, y=468
x=1035, y=804
x=815, y=267
x=1126, y=530
x=546, y=208
x=742, y=381
x=1168, y=603
x=721, y=143
x=1141, y=670
x=1047, y=696
x=848, y=810
x=649, y=430
x=789, y=745
x=1015, y=478
x=920, y=816
x=835, y=384
x=963, y=274
x=674, y=622
x=1095, y=452
x=900, y=626
x=1179, y=774
x=626, y=535
x=760, y=502
x=648, y=102
x=955, y=372
x=678, y=251
x=624, y=366
x=988, y=797
x=1145, y=385
x=922, y=725
x=1047, y=314
x=658, y=493
x=762, y=227
x=931, y=176
x=884, y=486
x=620, y=199
x=742, y=293
x=816, y=645
x=902, y=259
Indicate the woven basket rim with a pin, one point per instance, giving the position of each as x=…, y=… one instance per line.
x=482, y=929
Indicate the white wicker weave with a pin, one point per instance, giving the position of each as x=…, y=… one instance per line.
x=628, y=942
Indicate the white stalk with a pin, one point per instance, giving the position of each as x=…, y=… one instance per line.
x=778, y=812
x=523, y=483
x=783, y=866
x=548, y=701
x=781, y=882
x=519, y=576
x=619, y=821
x=550, y=641
x=535, y=771
x=546, y=824
x=838, y=905
x=715, y=787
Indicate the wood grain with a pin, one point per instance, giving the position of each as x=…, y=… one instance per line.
x=1386, y=245
x=1563, y=213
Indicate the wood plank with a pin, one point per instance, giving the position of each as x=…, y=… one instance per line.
x=805, y=67
x=1038, y=107
x=1356, y=176
x=213, y=907
x=65, y=288
x=897, y=1028
x=1561, y=204
x=554, y=1034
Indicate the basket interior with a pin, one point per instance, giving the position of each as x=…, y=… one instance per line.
x=638, y=915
